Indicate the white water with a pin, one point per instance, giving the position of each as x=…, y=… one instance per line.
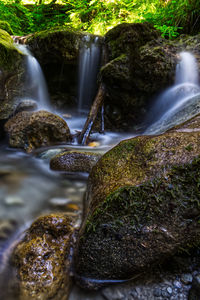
x=185, y=90
x=187, y=69
x=89, y=60
x=35, y=83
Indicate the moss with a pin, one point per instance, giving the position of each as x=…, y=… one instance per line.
x=133, y=205
x=6, y=26
x=9, y=55
x=143, y=205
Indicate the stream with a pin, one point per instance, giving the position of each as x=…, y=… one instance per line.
x=28, y=189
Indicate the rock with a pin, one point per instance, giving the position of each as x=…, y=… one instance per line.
x=194, y=293
x=26, y=105
x=140, y=65
x=74, y=161
x=30, y=130
x=141, y=205
x=42, y=258
x=11, y=75
x=186, y=278
x=58, y=54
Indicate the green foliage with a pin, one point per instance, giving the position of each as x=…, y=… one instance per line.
x=17, y=15
x=6, y=26
x=98, y=16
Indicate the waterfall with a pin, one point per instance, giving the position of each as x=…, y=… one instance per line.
x=169, y=108
x=35, y=84
x=89, y=62
x=187, y=70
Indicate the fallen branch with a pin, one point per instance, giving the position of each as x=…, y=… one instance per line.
x=97, y=104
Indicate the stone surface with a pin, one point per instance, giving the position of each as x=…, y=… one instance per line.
x=142, y=205
x=74, y=161
x=42, y=258
x=11, y=75
x=26, y=105
x=30, y=130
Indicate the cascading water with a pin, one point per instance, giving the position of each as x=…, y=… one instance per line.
x=35, y=84
x=170, y=107
x=89, y=62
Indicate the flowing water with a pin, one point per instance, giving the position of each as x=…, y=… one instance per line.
x=89, y=63
x=170, y=107
x=28, y=188
x=35, y=83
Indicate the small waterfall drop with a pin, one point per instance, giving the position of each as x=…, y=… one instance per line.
x=170, y=106
x=35, y=83
x=89, y=62
x=186, y=69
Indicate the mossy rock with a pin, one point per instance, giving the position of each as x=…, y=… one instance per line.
x=140, y=65
x=127, y=38
x=142, y=204
x=41, y=259
x=74, y=161
x=11, y=74
x=30, y=130
x=6, y=26
x=55, y=45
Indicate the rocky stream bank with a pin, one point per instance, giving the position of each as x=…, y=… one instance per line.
x=139, y=224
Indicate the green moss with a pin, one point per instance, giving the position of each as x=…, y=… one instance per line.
x=135, y=205
x=6, y=26
x=9, y=55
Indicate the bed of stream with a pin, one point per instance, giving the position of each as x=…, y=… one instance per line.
x=28, y=188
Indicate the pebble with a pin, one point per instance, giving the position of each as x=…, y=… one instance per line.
x=59, y=201
x=169, y=290
x=112, y=294
x=165, y=294
x=177, y=284
x=13, y=200
x=157, y=292
x=186, y=278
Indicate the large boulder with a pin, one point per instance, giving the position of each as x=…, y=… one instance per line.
x=140, y=65
x=30, y=130
x=142, y=205
x=42, y=259
x=11, y=74
x=58, y=54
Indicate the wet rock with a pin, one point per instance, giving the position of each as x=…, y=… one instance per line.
x=11, y=75
x=74, y=161
x=13, y=200
x=186, y=278
x=7, y=227
x=30, y=130
x=26, y=105
x=42, y=258
x=194, y=293
x=142, y=205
